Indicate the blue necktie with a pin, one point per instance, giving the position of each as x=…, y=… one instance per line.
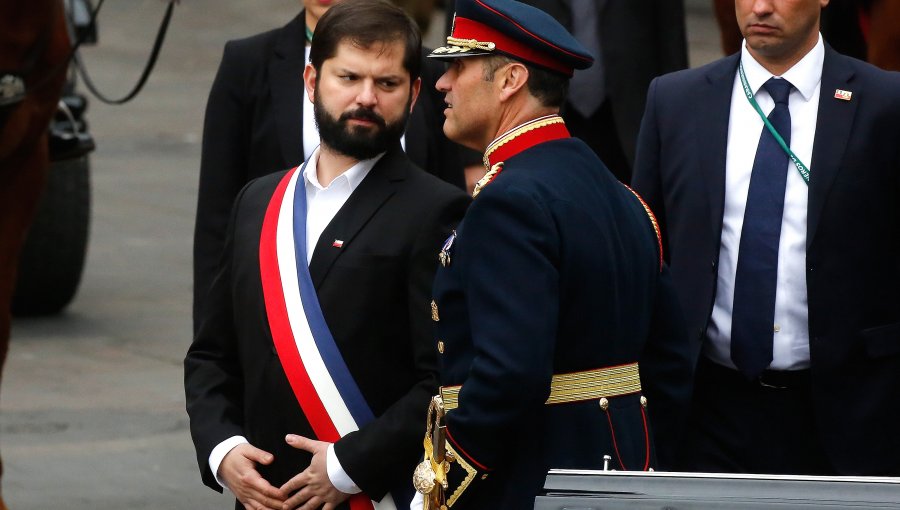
x=753, y=315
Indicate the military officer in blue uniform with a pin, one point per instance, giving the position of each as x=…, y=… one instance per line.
x=560, y=341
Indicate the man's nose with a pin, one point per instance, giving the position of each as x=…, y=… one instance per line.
x=367, y=96
x=443, y=83
x=762, y=7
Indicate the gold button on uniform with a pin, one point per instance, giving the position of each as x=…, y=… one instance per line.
x=441, y=346
x=434, y=312
x=604, y=403
x=643, y=401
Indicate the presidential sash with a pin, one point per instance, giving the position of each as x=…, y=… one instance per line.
x=318, y=375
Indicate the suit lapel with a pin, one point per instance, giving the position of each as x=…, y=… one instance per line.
x=712, y=135
x=286, y=71
x=833, y=126
x=363, y=203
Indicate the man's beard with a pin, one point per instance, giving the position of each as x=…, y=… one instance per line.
x=358, y=142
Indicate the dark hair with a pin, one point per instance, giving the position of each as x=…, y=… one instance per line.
x=549, y=87
x=364, y=23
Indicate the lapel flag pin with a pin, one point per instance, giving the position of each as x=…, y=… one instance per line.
x=843, y=95
x=338, y=243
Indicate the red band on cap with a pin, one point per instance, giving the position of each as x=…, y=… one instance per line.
x=464, y=28
x=520, y=27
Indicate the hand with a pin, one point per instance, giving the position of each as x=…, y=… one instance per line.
x=313, y=486
x=238, y=471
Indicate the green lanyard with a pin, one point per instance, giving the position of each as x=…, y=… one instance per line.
x=804, y=171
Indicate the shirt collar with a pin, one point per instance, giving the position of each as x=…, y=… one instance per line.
x=805, y=75
x=352, y=176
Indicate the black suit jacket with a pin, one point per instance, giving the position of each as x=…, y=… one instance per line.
x=640, y=40
x=375, y=295
x=853, y=237
x=254, y=126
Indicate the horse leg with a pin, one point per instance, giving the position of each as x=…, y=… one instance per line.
x=23, y=135
x=22, y=179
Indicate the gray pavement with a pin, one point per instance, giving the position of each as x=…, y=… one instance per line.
x=92, y=408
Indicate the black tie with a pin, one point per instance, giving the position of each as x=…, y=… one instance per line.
x=753, y=316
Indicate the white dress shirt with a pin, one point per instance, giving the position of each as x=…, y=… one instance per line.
x=791, y=327
x=322, y=204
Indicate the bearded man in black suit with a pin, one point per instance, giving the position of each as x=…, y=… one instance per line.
x=317, y=327
x=258, y=121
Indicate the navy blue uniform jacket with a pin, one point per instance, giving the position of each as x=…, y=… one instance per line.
x=555, y=269
x=852, y=245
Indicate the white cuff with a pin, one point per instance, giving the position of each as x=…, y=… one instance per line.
x=336, y=474
x=418, y=501
x=219, y=453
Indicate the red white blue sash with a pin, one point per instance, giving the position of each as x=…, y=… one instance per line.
x=319, y=377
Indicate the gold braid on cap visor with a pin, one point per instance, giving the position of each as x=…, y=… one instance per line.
x=456, y=45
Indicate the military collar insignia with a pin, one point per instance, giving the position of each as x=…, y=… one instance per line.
x=540, y=130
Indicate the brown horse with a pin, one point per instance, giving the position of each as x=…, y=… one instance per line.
x=34, y=45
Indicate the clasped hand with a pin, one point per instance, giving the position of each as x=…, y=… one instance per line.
x=311, y=488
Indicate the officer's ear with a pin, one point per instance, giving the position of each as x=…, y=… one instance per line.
x=414, y=89
x=309, y=81
x=510, y=79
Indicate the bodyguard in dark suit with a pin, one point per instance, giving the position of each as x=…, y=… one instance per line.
x=559, y=336
x=633, y=41
x=256, y=124
x=785, y=270
x=317, y=325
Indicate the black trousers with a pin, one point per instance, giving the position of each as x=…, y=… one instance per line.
x=762, y=426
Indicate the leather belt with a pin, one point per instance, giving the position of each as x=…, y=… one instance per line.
x=785, y=379
x=576, y=386
x=768, y=379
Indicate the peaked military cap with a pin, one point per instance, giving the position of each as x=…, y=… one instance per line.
x=517, y=30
